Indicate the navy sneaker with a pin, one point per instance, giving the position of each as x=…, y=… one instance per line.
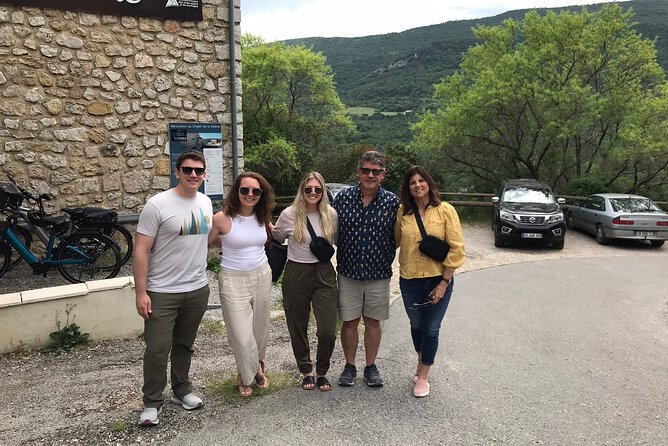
x=372, y=376
x=348, y=375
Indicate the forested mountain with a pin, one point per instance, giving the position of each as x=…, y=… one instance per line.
x=397, y=71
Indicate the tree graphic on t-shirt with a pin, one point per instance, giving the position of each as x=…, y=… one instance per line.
x=196, y=226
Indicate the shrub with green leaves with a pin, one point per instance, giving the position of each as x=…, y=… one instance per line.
x=68, y=336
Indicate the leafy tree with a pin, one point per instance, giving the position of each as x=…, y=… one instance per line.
x=558, y=98
x=343, y=168
x=275, y=159
x=289, y=93
x=399, y=158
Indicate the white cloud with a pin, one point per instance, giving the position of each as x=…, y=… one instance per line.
x=352, y=18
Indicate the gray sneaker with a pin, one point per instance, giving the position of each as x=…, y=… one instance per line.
x=188, y=402
x=348, y=375
x=149, y=416
x=372, y=376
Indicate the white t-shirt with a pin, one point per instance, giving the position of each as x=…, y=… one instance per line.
x=180, y=227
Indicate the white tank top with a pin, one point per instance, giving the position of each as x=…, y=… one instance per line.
x=243, y=246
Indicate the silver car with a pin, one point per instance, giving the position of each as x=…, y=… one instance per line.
x=620, y=216
x=333, y=189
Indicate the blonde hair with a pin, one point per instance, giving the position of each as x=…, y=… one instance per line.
x=299, y=205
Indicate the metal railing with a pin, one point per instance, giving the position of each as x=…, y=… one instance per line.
x=472, y=199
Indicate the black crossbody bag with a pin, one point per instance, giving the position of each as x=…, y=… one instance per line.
x=319, y=246
x=431, y=246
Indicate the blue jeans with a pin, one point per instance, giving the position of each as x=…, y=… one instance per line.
x=425, y=319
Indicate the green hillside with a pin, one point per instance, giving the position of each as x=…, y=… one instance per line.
x=397, y=71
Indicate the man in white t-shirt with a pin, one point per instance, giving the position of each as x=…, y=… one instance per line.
x=171, y=284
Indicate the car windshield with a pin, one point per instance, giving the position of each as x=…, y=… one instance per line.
x=634, y=204
x=525, y=195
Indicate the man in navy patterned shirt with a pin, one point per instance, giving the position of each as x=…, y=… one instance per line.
x=365, y=252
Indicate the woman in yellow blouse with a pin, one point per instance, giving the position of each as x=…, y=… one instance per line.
x=426, y=284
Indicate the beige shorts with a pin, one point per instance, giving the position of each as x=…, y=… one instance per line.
x=370, y=298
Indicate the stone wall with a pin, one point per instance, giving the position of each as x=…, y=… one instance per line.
x=85, y=99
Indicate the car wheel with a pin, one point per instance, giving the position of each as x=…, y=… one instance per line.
x=498, y=241
x=569, y=220
x=601, y=239
x=656, y=243
x=558, y=244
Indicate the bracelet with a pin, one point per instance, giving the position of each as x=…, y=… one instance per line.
x=447, y=281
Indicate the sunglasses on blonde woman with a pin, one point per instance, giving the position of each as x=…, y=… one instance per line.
x=250, y=190
x=313, y=190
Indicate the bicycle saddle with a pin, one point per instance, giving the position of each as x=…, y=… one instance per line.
x=57, y=224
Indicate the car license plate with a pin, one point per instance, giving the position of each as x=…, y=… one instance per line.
x=645, y=233
x=532, y=235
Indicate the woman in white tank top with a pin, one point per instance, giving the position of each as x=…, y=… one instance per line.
x=245, y=277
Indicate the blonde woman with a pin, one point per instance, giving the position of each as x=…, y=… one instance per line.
x=308, y=282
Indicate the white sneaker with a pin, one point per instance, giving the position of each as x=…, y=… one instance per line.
x=149, y=416
x=189, y=402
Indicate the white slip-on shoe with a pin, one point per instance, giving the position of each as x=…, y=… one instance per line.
x=189, y=401
x=149, y=416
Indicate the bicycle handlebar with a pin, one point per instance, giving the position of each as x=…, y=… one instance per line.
x=39, y=199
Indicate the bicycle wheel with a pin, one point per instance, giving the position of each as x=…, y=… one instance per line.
x=26, y=238
x=123, y=239
x=88, y=256
x=5, y=256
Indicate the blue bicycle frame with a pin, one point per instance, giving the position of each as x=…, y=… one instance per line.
x=31, y=259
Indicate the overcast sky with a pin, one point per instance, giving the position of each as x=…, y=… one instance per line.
x=287, y=19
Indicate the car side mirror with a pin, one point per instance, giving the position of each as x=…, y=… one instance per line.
x=561, y=201
x=495, y=199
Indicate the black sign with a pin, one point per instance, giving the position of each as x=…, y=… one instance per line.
x=171, y=9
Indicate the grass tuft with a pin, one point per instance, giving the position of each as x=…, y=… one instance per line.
x=119, y=426
x=212, y=327
x=224, y=386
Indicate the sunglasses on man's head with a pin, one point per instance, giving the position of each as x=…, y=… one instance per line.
x=256, y=191
x=375, y=172
x=313, y=190
x=199, y=171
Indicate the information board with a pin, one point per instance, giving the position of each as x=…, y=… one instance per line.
x=205, y=138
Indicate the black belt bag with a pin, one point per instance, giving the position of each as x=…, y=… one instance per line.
x=431, y=246
x=319, y=246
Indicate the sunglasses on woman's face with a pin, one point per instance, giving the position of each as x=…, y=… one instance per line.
x=313, y=190
x=256, y=191
x=187, y=170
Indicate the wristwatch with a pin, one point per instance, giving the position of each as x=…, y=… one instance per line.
x=447, y=281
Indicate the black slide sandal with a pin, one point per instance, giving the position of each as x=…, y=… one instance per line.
x=323, y=384
x=309, y=380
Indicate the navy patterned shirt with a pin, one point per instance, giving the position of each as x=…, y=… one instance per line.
x=366, y=248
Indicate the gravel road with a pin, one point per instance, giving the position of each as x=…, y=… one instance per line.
x=92, y=395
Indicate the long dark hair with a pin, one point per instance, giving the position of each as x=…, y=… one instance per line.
x=263, y=207
x=407, y=200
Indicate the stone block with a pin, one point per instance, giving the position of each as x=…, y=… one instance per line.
x=10, y=299
x=56, y=292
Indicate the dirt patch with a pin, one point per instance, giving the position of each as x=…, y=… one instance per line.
x=92, y=396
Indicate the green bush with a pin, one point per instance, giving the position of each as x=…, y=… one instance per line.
x=67, y=337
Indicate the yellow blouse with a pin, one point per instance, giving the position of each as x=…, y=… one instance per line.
x=442, y=222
